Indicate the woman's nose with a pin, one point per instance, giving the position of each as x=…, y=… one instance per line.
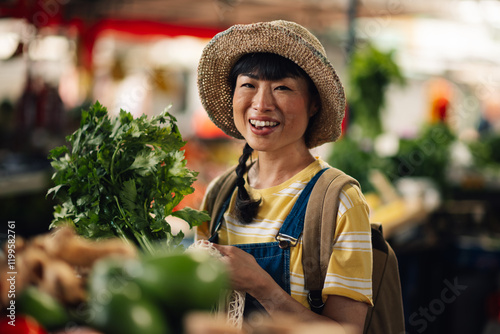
x=263, y=100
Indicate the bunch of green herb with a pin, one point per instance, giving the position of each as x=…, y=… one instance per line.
x=123, y=176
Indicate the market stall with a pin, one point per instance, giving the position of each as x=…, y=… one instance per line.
x=421, y=133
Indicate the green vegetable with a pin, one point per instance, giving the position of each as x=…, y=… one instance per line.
x=122, y=177
x=112, y=275
x=171, y=284
x=116, y=304
x=126, y=312
x=182, y=282
x=43, y=307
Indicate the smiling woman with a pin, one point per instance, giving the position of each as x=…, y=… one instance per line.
x=271, y=84
x=271, y=111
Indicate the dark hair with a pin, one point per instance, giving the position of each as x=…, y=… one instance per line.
x=246, y=207
x=267, y=66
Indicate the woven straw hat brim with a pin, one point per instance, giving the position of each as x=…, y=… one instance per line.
x=288, y=40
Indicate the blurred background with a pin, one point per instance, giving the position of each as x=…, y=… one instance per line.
x=421, y=133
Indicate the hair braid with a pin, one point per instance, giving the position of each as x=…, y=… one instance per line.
x=246, y=207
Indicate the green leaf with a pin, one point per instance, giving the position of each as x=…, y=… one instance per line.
x=160, y=225
x=145, y=163
x=54, y=190
x=57, y=152
x=191, y=216
x=128, y=195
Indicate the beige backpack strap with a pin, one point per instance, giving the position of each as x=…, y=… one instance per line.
x=218, y=193
x=386, y=316
x=319, y=226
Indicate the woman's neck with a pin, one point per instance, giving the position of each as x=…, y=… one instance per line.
x=271, y=170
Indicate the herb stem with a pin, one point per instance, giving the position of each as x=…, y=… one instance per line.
x=146, y=210
x=143, y=241
x=112, y=168
x=121, y=234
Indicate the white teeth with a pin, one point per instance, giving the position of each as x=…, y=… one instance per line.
x=260, y=124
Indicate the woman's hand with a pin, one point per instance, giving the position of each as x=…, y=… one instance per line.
x=245, y=273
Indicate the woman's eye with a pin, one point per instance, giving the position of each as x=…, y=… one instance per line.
x=282, y=88
x=247, y=85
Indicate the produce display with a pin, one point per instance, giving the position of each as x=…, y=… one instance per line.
x=51, y=271
x=110, y=263
x=66, y=281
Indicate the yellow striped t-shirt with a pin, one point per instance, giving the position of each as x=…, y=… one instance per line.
x=350, y=269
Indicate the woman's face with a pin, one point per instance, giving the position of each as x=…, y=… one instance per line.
x=272, y=115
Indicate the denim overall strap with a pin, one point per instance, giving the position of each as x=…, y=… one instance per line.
x=293, y=225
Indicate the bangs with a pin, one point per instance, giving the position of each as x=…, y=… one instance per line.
x=266, y=66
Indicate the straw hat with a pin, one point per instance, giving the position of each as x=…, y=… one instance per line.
x=288, y=40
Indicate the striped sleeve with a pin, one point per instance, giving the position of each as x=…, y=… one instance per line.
x=350, y=269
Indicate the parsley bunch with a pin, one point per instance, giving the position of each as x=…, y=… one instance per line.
x=122, y=177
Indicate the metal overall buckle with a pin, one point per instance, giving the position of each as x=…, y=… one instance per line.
x=285, y=241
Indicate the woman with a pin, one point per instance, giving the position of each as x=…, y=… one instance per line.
x=271, y=84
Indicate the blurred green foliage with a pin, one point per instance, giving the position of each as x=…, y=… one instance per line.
x=426, y=155
x=486, y=151
x=357, y=158
x=371, y=71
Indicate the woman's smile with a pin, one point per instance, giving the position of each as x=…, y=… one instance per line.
x=261, y=124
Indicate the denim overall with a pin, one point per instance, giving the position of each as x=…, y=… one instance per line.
x=274, y=257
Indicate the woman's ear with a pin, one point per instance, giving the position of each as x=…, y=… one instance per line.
x=314, y=107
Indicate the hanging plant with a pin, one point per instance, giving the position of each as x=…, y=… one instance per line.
x=371, y=71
